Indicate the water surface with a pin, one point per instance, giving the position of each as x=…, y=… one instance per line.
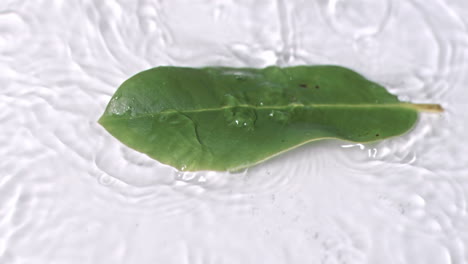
x=71, y=193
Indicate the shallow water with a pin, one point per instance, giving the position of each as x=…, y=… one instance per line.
x=71, y=193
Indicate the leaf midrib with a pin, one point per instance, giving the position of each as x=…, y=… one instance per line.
x=284, y=107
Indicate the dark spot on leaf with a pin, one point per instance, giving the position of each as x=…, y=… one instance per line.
x=283, y=140
x=376, y=135
x=303, y=85
x=317, y=87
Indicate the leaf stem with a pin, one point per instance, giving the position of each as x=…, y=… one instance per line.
x=433, y=108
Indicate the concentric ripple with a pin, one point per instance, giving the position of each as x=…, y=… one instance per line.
x=71, y=193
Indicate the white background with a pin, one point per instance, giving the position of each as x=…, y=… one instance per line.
x=71, y=193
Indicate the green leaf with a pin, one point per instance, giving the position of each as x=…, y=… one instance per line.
x=220, y=118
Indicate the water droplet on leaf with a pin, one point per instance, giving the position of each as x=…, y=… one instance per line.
x=241, y=117
x=119, y=105
x=280, y=116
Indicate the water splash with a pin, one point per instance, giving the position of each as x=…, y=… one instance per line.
x=66, y=182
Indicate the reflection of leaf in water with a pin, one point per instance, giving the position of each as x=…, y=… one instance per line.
x=220, y=118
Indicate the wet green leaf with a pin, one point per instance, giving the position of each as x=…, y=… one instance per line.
x=220, y=118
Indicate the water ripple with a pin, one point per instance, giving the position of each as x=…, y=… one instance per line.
x=65, y=183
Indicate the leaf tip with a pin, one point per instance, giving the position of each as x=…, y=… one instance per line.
x=100, y=120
